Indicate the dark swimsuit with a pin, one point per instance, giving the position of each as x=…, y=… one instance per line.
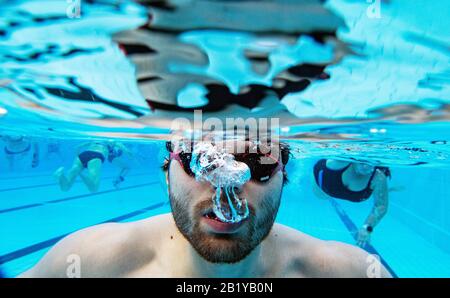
x=86, y=156
x=330, y=181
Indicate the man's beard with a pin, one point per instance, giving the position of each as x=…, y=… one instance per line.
x=224, y=248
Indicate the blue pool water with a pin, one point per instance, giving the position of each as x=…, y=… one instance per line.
x=386, y=100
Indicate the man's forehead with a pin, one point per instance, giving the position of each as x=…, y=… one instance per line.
x=230, y=146
x=225, y=135
x=228, y=139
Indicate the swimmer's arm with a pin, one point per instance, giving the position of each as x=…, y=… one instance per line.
x=124, y=149
x=381, y=199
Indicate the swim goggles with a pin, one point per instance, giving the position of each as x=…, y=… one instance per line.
x=260, y=171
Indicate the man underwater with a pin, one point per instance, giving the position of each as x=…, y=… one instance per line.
x=221, y=225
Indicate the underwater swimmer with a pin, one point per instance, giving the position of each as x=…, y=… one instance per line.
x=88, y=164
x=355, y=182
x=192, y=242
x=17, y=147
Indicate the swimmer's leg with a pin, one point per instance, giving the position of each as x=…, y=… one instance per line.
x=60, y=178
x=92, y=177
x=66, y=182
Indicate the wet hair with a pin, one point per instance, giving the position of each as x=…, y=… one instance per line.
x=285, y=155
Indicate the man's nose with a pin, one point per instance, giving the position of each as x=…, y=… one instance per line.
x=238, y=189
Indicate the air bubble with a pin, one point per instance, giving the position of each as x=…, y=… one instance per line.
x=213, y=164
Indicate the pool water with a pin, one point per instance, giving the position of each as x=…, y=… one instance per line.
x=65, y=80
x=412, y=239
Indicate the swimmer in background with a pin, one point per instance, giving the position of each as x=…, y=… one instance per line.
x=354, y=182
x=88, y=164
x=19, y=146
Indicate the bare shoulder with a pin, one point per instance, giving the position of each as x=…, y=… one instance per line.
x=313, y=257
x=111, y=249
x=337, y=259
